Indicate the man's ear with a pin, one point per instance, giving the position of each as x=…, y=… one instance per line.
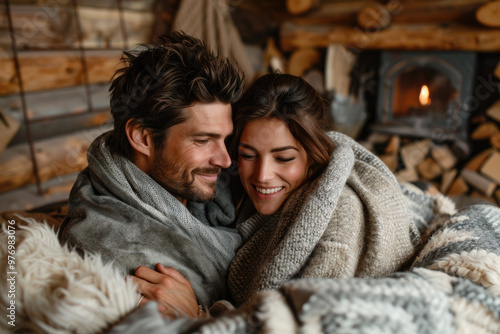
x=140, y=139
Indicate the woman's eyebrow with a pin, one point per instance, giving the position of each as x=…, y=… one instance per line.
x=284, y=148
x=247, y=146
x=276, y=149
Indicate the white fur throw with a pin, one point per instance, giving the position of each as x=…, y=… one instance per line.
x=57, y=290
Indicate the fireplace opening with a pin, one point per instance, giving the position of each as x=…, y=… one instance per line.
x=423, y=94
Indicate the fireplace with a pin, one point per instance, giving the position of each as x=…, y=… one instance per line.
x=424, y=94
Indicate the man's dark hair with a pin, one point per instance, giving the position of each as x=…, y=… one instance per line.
x=159, y=80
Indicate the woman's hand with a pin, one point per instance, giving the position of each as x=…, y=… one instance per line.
x=173, y=293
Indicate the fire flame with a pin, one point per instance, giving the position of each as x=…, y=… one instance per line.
x=424, y=98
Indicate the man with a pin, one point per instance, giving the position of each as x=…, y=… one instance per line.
x=150, y=193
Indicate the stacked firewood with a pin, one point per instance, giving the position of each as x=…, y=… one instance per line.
x=445, y=166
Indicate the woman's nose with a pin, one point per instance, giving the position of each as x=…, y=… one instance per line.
x=264, y=171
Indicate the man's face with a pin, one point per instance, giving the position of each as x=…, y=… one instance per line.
x=194, y=153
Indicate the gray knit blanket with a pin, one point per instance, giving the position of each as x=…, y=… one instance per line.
x=453, y=286
x=353, y=221
x=119, y=212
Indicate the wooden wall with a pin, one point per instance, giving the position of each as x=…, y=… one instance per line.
x=67, y=52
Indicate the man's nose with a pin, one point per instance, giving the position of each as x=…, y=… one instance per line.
x=221, y=157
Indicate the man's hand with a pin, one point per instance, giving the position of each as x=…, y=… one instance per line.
x=173, y=293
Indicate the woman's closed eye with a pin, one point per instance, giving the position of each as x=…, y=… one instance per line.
x=281, y=159
x=246, y=156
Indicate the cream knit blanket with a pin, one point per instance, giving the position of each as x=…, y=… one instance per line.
x=353, y=221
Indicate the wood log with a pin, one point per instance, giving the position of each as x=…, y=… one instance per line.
x=414, y=153
x=495, y=141
x=429, y=169
x=302, y=60
x=297, y=7
x=393, y=145
x=442, y=11
x=395, y=37
x=491, y=167
x=484, y=131
x=477, y=161
x=489, y=14
x=447, y=180
x=373, y=17
x=444, y=157
x=55, y=157
x=497, y=196
x=407, y=175
x=391, y=161
x=41, y=70
x=496, y=73
x=479, y=182
x=458, y=187
x=494, y=111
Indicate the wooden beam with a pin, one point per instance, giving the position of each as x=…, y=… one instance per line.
x=41, y=70
x=406, y=11
x=55, y=27
x=143, y=5
x=397, y=36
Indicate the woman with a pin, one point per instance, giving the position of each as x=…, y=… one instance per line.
x=312, y=204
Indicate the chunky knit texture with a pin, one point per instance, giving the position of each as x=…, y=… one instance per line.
x=453, y=287
x=353, y=221
x=122, y=214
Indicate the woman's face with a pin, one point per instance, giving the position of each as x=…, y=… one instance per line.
x=272, y=163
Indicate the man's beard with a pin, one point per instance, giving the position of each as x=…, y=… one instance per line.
x=181, y=183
